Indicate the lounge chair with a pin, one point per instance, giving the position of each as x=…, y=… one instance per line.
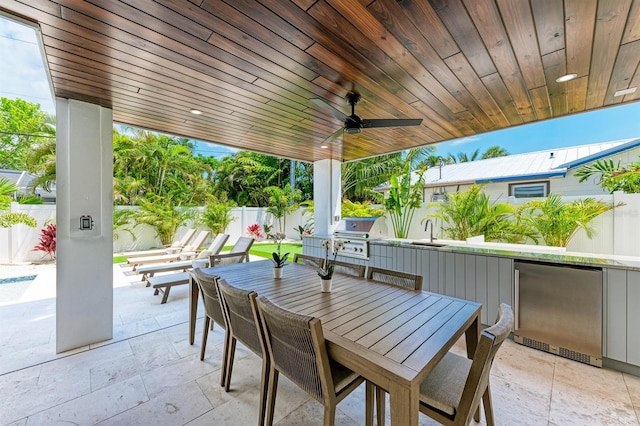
x=215, y=248
x=239, y=253
x=175, y=247
x=195, y=245
x=241, y=247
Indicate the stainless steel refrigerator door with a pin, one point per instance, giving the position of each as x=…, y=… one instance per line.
x=561, y=306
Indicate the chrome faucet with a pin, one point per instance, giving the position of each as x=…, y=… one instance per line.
x=426, y=226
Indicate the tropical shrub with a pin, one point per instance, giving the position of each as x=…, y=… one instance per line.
x=306, y=229
x=47, y=241
x=470, y=213
x=8, y=219
x=160, y=213
x=122, y=223
x=217, y=214
x=556, y=222
x=359, y=209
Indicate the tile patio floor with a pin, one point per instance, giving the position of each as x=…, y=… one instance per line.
x=149, y=375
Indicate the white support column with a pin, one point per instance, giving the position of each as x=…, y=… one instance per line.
x=84, y=184
x=327, y=196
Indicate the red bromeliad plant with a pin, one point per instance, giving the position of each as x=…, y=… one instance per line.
x=47, y=242
x=255, y=231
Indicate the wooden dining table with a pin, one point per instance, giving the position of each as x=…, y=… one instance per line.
x=389, y=335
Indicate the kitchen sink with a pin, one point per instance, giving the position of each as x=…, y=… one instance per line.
x=427, y=244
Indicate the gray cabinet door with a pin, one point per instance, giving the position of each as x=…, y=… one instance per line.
x=621, y=315
x=483, y=279
x=615, y=314
x=633, y=317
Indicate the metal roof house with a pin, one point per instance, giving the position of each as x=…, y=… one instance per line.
x=23, y=179
x=533, y=174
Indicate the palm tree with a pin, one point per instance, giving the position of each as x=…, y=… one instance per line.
x=360, y=177
x=556, y=222
x=494, y=152
x=282, y=202
x=42, y=162
x=612, y=177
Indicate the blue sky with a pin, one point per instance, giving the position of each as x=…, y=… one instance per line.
x=22, y=74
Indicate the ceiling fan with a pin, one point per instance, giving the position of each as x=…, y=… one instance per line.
x=354, y=124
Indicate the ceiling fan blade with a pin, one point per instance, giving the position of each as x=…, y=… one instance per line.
x=391, y=122
x=336, y=113
x=333, y=136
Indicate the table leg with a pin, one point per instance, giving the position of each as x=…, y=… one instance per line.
x=471, y=336
x=404, y=405
x=193, y=308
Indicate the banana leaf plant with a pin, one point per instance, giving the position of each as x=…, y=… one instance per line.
x=404, y=198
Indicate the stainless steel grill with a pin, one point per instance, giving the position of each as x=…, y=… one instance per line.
x=356, y=233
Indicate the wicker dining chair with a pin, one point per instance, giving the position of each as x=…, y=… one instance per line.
x=452, y=391
x=397, y=278
x=296, y=347
x=348, y=268
x=212, y=308
x=241, y=316
x=305, y=259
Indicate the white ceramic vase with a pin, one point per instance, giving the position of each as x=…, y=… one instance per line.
x=326, y=285
x=277, y=273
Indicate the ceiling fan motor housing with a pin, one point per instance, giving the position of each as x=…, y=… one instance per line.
x=353, y=125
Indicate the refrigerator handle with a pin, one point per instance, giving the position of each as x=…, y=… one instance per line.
x=516, y=296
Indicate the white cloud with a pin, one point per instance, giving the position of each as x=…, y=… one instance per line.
x=22, y=72
x=464, y=141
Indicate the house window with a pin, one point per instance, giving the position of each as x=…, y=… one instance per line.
x=529, y=190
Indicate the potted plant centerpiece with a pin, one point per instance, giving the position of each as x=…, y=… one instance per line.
x=326, y=273
x=278, y=260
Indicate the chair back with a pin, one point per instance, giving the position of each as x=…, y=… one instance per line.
x=242, y=245
x=296, y=346
x=228, y=258
x=207, y=286
x=490, y=341
x=217, y=243
x=397, y=278
x=241, y=314
x=305, y=259
x=185, y=238
x=197, y=242
x=348, y=268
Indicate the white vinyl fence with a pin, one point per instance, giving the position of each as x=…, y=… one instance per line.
x=17, y=242
x=616, y=232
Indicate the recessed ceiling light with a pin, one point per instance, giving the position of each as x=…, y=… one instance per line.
x=628, y=91
x=324, y=146
x=196, y=111
x=566, y=77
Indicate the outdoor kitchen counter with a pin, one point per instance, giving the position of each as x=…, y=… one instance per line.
x=629, y=263
x=486, y=275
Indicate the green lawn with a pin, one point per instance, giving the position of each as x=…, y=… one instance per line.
x=265, y=250
x=261, y=249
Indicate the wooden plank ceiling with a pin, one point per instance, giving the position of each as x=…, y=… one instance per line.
x=251, y=66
